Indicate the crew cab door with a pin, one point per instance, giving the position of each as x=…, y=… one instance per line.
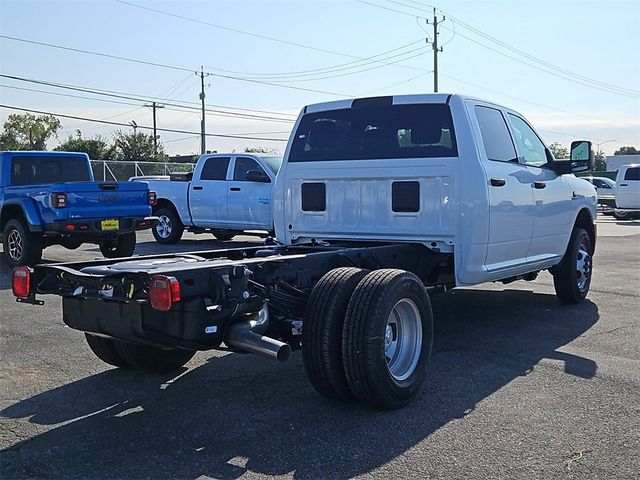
x=552, y=197
x=510, y=194
x=249, y=195
x=207, y=196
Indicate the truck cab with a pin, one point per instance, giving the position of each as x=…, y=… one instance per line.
x=454, y=173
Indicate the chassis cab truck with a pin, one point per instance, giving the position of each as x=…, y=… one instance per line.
x=379, y=201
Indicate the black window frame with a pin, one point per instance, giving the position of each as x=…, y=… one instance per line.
x=215, y=159
x=384, y=118
x=485, y=142
x=63, y=176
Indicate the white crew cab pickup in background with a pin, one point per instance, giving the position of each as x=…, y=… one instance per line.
x=227, y=194
x=628, y=192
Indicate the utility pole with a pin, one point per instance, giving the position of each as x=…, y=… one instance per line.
x=434, y=44
x=154, y=106
x=203, y=138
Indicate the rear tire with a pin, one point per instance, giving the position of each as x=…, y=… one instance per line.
x=223, y=235
x=622, y=215
x=105, y=350
x=153, y=359
x=169, y=228
x=572, y=276
x=21, y=246
x=387, y=338
x=122, y=246
x=322, y=332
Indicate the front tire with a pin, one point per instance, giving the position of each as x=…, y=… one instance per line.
x=223, y=235
x=572, y=276
x=153, y=359
x=169, y=228
x=322, y=332
x=387, y=338
x=120, y=246
x=21, y=246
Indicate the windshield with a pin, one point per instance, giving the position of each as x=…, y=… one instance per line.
x=34, y=170
x=274, y=163
x=375, y=132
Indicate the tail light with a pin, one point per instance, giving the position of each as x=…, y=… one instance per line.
x=152, y=198
x=21, y=282
x=163, y=292
x=59, y=200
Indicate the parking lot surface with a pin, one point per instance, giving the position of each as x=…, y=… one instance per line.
x=519, y=387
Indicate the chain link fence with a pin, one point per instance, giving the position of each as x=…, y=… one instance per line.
x=110, y=170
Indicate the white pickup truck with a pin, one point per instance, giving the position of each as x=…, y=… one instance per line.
x=379, y=203
x=227, y=194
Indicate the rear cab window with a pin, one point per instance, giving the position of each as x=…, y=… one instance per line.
x=215, y=168
x=35, y=170
x=375, y=132
x=632, y=174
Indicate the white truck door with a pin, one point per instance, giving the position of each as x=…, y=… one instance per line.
x=552, y=197
x=250, y=195
x=510, y=194
x=628, y=187
x=208, y=193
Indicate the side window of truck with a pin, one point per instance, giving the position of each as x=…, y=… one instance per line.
x=215, y=168
x=243, y=166
x=530, y=145
x=632, y=174
x=496, y=138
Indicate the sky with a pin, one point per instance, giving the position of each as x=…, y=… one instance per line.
x=572, y=68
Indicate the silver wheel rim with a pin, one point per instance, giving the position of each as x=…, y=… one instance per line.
x=15, y=244
x=403, y=339
x=583, y=267
x=163, y=229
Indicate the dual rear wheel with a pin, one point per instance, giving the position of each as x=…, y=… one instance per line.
x=368, y=336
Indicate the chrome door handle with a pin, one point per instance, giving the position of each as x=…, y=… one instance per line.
x=539, y=185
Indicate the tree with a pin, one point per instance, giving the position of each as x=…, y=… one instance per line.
x=97, y=147
x=261, y=150
x=28, y=132
x=559, y=152
x=627, y=151
x=601, y=162
x=137, y=147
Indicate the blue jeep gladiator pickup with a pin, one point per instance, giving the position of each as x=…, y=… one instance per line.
x=51, y=198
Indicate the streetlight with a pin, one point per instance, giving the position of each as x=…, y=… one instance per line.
x=134, y=125
x=606, y=141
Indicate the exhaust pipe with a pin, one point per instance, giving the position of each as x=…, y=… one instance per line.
x=247, y=335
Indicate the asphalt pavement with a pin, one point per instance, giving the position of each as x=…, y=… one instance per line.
x=519, y=387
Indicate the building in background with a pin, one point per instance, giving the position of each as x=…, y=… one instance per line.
x=614, y=162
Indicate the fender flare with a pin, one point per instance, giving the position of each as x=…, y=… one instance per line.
x=29, y=210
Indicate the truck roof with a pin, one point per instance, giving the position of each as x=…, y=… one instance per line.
x=393, y=99
x=42, y=153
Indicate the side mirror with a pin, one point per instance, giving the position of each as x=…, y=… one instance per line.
x=581, y=159
x=258, y=176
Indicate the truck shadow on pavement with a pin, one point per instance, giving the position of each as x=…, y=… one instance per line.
x=241, y=413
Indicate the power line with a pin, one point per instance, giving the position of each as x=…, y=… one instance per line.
x=94, y=120
x=134, y=97
x=550, y=68
x=164, y=65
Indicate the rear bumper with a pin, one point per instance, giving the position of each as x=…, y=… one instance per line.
x=93, y=228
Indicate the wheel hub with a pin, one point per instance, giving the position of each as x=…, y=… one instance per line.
x=583, y=267
x=403, y=339
x=164, y=226
x=15, y=244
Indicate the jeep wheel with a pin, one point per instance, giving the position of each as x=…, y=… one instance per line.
x=21, y=247
x=120, y=246
x=223, y=235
